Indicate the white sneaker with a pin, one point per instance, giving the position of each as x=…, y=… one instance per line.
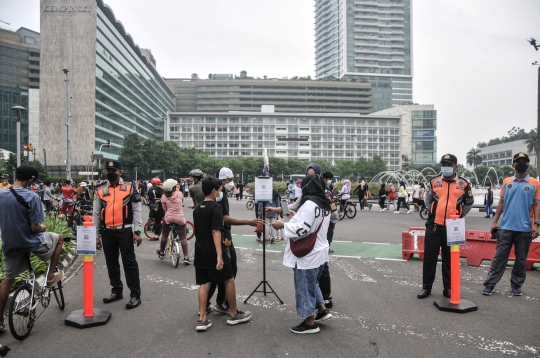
x=396, y=212
x=384, y=209
x=408, y=212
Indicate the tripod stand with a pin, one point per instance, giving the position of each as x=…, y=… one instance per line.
x=264, y=282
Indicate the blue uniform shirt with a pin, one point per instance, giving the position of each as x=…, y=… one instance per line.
x=519, y=197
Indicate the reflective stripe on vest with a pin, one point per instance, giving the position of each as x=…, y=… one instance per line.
x=446, y=196
x=116, y=210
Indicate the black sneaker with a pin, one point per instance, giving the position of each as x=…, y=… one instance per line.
x=203, y=325
x=240, y=317
x=323, y=316
x=160, y=254
x=516, y=291
x=488, y=291
x=328, y=303
x=304, y=328
x=186, y=261
x=221, y=307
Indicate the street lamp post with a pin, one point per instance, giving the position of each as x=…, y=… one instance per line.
x=18, y=109
x=242, y=176
x=99, y=160
x=68, y=115
x=136, y=174
x=532, y=41
x=282, y=176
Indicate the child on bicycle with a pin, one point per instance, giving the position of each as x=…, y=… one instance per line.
x=20, y=218
x=172, y=203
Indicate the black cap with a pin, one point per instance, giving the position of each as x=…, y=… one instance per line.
x=27, y=172
x=449, y=158
x=521, y=155
x=113, y=164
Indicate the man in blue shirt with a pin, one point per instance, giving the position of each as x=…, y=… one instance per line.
x=520, y=203
x=20, y=222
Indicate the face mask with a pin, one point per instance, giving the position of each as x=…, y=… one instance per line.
x=521, y=167
x=328, y=184
x=229, y=186
x=218, y=199
x=5, y=183
x=447, y=171
x=112, y=177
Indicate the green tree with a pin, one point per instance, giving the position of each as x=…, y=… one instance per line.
x=377, y=165
x=473, y=157
x=41, y=169
x=131, y=155
x=194, y=77
x=531, y=144
x=406, y=163
x=345, y=169
x=210, y=76
x=243, y=74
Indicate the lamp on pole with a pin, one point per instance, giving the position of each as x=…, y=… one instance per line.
x=99, y=160
x=136, y=174
x=242, y=176
x=68, y=115
x=18, y=109
x=532, y=41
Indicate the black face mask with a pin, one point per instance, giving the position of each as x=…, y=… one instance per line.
x=521, y=167
x=112, y=177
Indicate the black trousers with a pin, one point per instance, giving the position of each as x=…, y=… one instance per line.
x=220, y=285
x=433, y=242
x=116, y=243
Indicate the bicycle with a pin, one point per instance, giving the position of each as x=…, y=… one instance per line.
x=348, y=210
x=173, y=246
x=150, y=233
x=250, y=204
x=23, y=307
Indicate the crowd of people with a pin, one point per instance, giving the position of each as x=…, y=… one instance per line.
x=312, y=218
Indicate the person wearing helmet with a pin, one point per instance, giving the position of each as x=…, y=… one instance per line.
x=225, y=176
x=4, y=183
x=172, y=203
x=21, y=216
x=154, y=202
x=195, y=191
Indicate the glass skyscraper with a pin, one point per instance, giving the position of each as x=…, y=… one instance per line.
x=367, y=40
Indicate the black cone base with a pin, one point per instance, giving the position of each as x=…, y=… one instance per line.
x=464, y=306
x=76, y=318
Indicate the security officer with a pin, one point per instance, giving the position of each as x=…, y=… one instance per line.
x=117, y=215
x=4, y=181
x=446, y=191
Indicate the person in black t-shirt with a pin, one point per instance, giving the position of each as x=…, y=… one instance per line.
x=212, y=258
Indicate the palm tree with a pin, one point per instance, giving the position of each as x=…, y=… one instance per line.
x=474, y=158
x=194, y=77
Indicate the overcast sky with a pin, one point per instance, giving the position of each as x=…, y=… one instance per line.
x=470, y=58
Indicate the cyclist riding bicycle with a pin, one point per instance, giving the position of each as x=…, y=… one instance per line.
x=195, y=191
x=154, y=202
x=4, y=183
x=20, y=218
x=172, y=202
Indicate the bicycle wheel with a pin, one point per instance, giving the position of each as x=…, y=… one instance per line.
x=350, y=210
x=190, y=230
x=59, y=295
x=250, y=205
x=341, y=211
x=149, y=230
x=424, y=213
x=175, y=253
x=21, y=316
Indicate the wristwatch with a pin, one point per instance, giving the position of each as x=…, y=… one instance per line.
x=138, y=232
x=537, y=223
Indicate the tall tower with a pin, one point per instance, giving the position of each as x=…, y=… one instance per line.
x=367, y=40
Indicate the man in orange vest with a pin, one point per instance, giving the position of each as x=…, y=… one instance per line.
x=117, y=216
x=446, y=191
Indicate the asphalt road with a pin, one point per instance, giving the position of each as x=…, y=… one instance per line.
x=376, y=312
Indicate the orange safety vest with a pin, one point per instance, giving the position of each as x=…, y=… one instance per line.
x=447, y=195
x=116, y=207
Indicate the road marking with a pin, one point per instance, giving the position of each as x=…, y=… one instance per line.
x=376, y=243
x=267, y=250
x=381, y=258
x=340, y=241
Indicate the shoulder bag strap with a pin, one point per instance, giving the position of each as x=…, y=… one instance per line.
x=19, y=198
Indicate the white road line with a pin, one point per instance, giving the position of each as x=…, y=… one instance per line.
x=381, y=258
x=377, y=243
x=267, y=250
x=340, y=241
x=351, y=257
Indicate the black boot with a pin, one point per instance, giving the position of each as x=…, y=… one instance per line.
x=326, y=290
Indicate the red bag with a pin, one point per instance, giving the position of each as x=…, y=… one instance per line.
x=303, y=246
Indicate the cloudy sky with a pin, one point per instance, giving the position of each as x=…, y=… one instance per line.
x=471, y=59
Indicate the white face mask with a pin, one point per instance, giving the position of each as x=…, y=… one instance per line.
x=218, y=199
x=229, y=186
x=447, y=171
x=5, y=183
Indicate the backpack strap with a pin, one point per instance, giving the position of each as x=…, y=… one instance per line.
x=19, y=198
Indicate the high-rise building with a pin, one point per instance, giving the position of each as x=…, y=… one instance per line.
x=367, y=40
x=19, y=72
x=114, y=88
x=304, y=96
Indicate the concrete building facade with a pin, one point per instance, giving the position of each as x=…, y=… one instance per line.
x=302, y=96
x=19, y=72
x=503, y=154
x=114, y=89
x=367, y=40
x=311, y=136
x=419, y=127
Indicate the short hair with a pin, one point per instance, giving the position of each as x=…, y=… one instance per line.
x=67, y=181
x=47, y=183
x=416, y=181
x=328, y=175
x=210, y=183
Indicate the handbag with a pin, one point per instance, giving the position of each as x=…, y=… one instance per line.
x=302, y=247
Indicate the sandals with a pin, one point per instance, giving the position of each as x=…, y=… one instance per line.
x=160, y=254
